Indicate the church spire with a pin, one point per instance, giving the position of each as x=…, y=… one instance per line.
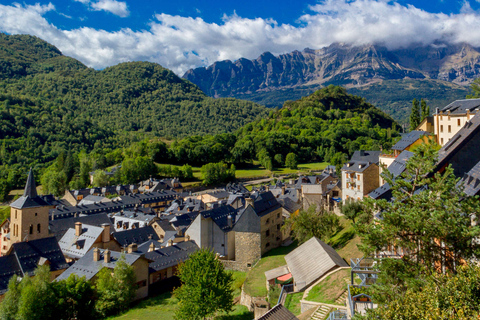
x=30, y=187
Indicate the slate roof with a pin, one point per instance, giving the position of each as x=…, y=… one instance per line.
x=460, y=139
x=219, y=194
x=471, y=181
x=366, y=156
x=60, y=226
x=461, y=106
x=144, y=247
x=171, y=256
x=90, y=199
x=265, y=203
x=356, y=166
x=30, y=198
x=89, y=268
x=236, y=188
x=183, y=220
x=408, y=139
x=123, y=202
x=289, y=205
x=74, y=246
x=130, y=219
x=138, y=236
x=278, y=312
x=234, y=197
x=25, y=258
x=396, y=168
x=220, y=216
x=8, y=268
x=312, y=260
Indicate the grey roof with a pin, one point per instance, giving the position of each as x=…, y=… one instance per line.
x=366, y=156
x=131, y=219
x=289, y=205
x=471, y=181
x=234, y=197
x=312, y=260
x=278, y=312
x=277, y=272
x=396, y=168
x=459, y=140
x=408, y=139
x=236, y=188
x=144, y=247
x=30, y=198
x=171, y=256
x=74, y=246
x=123, y=202
x=220, y=216
x=219, y=194
x=138, y=236
x=30, y=187
x=461, y=106
x=25, y=258
x=60, y=226
x=91, y=199
x=265, y=203
x=89, y=268
x=356, y=166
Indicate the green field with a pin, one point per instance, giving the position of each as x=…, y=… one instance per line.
x=255, y=282
x=292, y=302
x=331, y=288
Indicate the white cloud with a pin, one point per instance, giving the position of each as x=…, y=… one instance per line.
x=180, y=43
x=118, y=8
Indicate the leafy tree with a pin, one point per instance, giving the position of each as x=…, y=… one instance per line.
x=278, y=160
x=206, y=287
x=415, y=115
x=115, y=292
x=9, y=305
x=429, y=215
x=74, y=298
x=187, y=172
x=100, y=179
x=216, y=173
x=54, y=181
x=425, y=110
x=291, y=161
x=352, y=210
x=310, y=223
x=475, y=87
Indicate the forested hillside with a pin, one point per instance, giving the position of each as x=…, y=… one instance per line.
x=50, y=103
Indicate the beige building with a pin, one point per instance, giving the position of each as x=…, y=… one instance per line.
x=446, y=122
x=359, y=178
x=28, y=217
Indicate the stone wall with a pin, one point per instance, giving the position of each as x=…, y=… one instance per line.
x=247, y=248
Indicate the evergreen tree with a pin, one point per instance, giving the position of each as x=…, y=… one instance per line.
x=415, y=115
x=425, y=110
x=206, y=287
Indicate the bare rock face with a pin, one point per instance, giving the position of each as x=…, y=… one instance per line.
x=338, y=64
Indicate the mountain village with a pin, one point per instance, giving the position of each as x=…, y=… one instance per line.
x=157, y=224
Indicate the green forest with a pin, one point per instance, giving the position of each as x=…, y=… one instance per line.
x=56, y=113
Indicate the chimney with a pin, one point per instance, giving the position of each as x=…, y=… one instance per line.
x=250, y=201
x=267, y=187
x=187, y=237
x=299, y=195
x=362, y=153
x=283, y=190
x=96, y=254
x=106, y=256
x=78, y=229
x=151, y=247
x=132, y=248
x=229, y=221
x=468, y=114
x=170, y=243
x=53, y=217
x=106, y=232
x=291, y=181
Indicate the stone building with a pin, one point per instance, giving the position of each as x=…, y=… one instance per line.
x=28, y=216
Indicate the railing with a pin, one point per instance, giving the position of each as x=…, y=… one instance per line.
x=283, y=294
x=338, y=315
x=365, y=269
x=357, y=305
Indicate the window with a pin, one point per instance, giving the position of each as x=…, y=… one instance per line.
x=31, y=229
x=38, y=228
x=458, y=122
x=267, y=245
x=358, y=177
x=441, y=128
x=358, y=187
x=268, y=221
x=267, y=233
x=15, y=214
x=278, y=215
x=441, y=141
x=36, y=214
x=449, y=128
x=278, y=226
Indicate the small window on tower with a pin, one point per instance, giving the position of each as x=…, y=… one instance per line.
x=38, y=228
x=31, y=229
x=36, y=214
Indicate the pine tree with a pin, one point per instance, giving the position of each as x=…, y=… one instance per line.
x=425, y=109
x=415, y=115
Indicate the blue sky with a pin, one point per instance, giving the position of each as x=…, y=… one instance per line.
x=191, y=33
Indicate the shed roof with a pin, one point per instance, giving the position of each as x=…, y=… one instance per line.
x=312, y=260
x=278, y=312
